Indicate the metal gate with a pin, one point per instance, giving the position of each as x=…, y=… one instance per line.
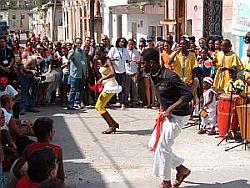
x=212, y=19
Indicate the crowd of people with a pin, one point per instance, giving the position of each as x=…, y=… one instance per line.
x=81, y=74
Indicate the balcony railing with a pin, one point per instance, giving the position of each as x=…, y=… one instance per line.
x=14, y=6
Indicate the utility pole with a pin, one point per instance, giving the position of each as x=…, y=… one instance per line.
x=92, y=18
x=54, y=22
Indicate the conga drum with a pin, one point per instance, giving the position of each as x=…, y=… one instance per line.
x=241, y=112
x=223, y=111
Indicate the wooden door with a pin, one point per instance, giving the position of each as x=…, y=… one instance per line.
x=180, y=14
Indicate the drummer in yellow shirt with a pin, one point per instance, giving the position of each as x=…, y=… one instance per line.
x=224, y=60
x=235, y=84
x=246, y=71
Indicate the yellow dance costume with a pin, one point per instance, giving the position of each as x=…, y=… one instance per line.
x=111, y=87
x=225, y=60
x=183, y=66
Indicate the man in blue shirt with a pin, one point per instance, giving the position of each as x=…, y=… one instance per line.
x=78, y=72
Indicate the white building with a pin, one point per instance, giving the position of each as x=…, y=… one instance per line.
x=52, y=20
x=16, y=14
x=132, y=19
x=47, y=21
x=76, y=19
x=36, y=22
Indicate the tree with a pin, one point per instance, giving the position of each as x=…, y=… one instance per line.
x=39, y=3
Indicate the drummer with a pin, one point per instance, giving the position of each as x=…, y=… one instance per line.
x=247, y=69
x=234, y=84
x=225, y=59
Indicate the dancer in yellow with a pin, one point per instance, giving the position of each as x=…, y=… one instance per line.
x=224, y=60
x=111, y=87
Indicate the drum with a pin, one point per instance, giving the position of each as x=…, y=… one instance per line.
x=241, y=112
x=203, y=113
x=223, y=110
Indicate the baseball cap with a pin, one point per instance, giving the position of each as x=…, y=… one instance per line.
x=150, y=38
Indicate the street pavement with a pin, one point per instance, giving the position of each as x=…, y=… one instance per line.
x=122, y=160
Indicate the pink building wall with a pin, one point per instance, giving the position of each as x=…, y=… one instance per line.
x=195, y=13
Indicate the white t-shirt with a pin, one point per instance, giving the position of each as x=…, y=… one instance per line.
x=9, y=90
x=64, y=61
x=132, y=66
x=7, y=116
x=121, y=54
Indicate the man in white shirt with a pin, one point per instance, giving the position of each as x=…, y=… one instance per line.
x=119, y=56
x=131, y=86
x=6, y=89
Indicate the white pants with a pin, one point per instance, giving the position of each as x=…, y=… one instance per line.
x=164, y=158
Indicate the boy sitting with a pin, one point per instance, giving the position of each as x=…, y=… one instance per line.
x=41, y=166
x=44, y=132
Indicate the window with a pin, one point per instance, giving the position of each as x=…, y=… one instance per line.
x=189, y=27
x=159, y=31
x=1, y=17
x=152, y=31
x=119, y=25
x=22, y=16
x=85, y=25
x=13, y=17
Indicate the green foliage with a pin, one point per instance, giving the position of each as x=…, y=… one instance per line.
x=39, y=3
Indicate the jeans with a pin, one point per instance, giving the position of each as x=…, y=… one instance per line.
x=16, y=110
x=76, y=87
x=1, y=176
x=121, y=79
x=29, y=89
x=131, y=89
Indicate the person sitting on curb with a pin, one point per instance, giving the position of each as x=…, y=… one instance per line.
x=44, y=131
x=41, y=166
x=10, y=123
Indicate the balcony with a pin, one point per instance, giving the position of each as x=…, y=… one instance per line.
x=144, y=1
x=15, y=6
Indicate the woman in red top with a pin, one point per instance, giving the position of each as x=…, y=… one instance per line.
x=41, y=166
x=44, y=131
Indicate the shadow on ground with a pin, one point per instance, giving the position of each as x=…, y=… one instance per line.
x=144, y=132
x=231, y=184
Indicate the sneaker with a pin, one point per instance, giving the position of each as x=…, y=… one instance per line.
x=123, y=107
x=202, y=131
x=148, y=106
x=80, y=106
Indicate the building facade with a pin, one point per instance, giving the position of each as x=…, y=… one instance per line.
x=136, y=20
x=16, y=13
x=76, y=19
x=207, y=17
x=47, y=20
x=52, y=16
